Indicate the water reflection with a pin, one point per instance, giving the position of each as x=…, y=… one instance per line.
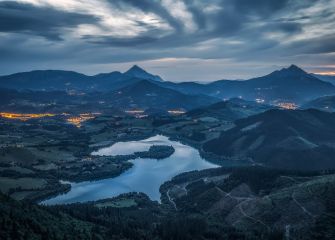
x=145, y=176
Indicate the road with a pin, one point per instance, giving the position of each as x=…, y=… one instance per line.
x=171, y=201
x=252, y=218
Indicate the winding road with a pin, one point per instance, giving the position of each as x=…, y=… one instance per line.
x=171, y=201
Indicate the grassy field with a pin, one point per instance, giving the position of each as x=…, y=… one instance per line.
x=19, y=155
x=17, y=169
x=52, y=154
x=24, y=183
x=21, y=195
x=46, y=167
x=119, y=203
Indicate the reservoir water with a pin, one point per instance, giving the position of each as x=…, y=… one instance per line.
x=146, y=175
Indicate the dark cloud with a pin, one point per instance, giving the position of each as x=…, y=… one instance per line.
x=122, y=42
x=152, y=7
x=262, y=7
x=241, y=31
x=316, y=45
x=198, y=16
x=41, y=21
x=230, y=20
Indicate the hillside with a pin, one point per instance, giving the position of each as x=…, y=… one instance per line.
x=326, y=78
x=148, y=95
x=51, y=80
x=323, y=103
x=272, y=204
x=288, y=84
x=44, y=80
x=229, y=110
x=93, y=220
x=20, y=220
x=221, y=203
x=281, y=138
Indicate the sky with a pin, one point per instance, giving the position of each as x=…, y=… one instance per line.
x=181, y=40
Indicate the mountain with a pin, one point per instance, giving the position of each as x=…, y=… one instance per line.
x=137, y=72
x=137, y=93
x=186, y=87
x=274, y=204
x=50, y=80
x=229, y=110
x=326, y=78
x=24, y=220
x=45, y=80
x=302, y=139
x=28, y=101
x=87, y=221
x=146, y=94
x=288, y=84
x=323, y=103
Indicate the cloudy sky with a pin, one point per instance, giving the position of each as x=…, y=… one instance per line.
x=178, y=39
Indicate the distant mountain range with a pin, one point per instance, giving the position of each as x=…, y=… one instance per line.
x=290, y=84
x=142, y=94
x=303, y=140
x=50, y=80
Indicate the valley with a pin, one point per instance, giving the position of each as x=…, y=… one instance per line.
x=243, y=168
x=167, y=120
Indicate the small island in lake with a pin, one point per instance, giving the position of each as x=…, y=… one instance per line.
x=156, y=152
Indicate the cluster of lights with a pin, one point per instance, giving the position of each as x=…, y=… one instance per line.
x=287, y=105
x=259, y=100
x=134, y=112
x=78, y=120
x=75, y=120
x=138, y=113
x=25, y=116
x=176, y=112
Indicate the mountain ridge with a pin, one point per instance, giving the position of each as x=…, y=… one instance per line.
x=290, y=84
x=146, y=94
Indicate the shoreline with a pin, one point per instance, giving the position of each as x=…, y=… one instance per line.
x=144, y=155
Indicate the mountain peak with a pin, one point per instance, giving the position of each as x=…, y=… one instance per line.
x=138, y=72
x=293, y=69
x=135, y=69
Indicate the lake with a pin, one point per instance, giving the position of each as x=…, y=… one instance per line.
x=146, y=175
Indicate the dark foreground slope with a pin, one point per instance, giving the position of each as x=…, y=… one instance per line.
x=284, y=139
x=241, y=203
x=20, y=220
x=261, y=203
x=23, y=220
